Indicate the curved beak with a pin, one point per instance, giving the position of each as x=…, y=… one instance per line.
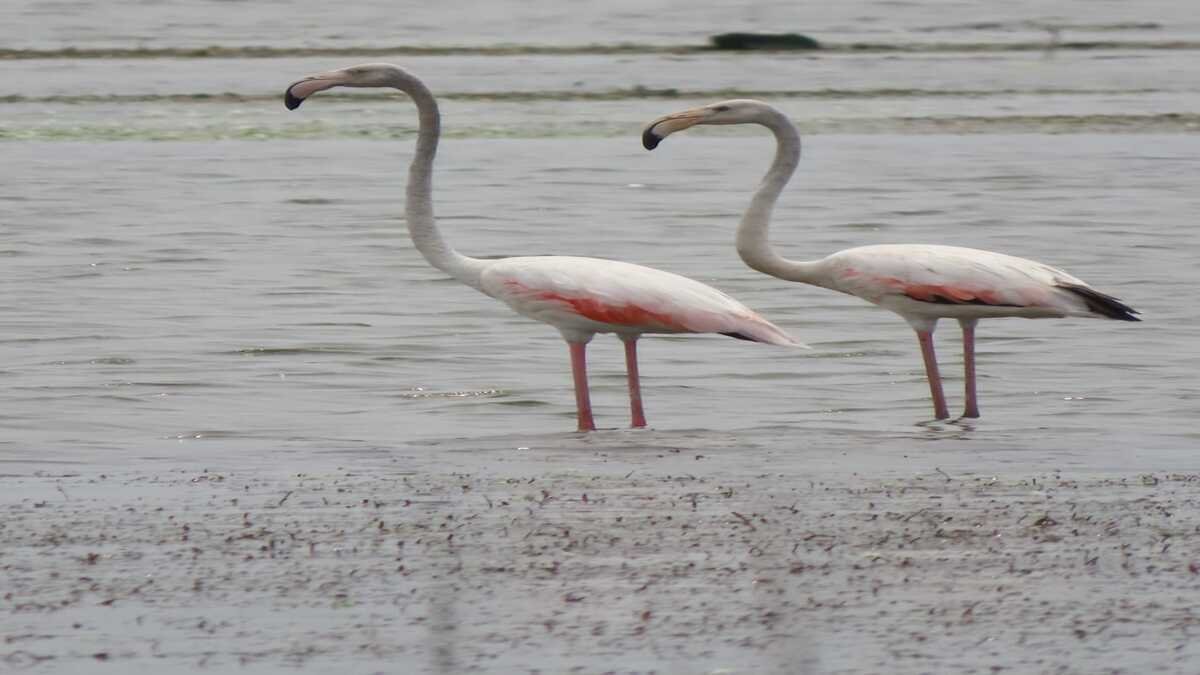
x=298, y=91
x=662, y=127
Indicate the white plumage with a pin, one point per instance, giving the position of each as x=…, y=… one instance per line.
x=932, y=281
x=584, y=296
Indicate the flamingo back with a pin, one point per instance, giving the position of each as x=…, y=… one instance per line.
x=954, y=281
x=591, y=295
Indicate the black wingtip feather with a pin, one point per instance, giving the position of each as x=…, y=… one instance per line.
x=1100, y=303
x=740, y=336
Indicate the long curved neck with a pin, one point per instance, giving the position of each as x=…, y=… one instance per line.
x=753, y=243
x=418, y=206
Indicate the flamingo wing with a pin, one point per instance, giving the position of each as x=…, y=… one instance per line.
x=591, y=295
x=951, y=275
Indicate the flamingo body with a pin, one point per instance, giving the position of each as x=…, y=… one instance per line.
x=922, y=283
x=585, y=296
x=579, y=296
x=927, y=282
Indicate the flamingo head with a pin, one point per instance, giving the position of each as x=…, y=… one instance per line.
x=364, y=75
x=735, y=111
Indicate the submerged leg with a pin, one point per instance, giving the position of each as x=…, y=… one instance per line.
x=583, y=402
x=931, y=372
x=968, y=331
x=635, y=386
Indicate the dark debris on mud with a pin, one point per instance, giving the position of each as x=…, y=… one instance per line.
x=637, y=573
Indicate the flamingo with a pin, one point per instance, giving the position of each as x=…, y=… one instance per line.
x=578, y=296
x=921, y=283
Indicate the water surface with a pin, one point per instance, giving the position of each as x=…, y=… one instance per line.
x=192, y=273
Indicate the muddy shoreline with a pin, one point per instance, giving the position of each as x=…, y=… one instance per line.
x=650, y=561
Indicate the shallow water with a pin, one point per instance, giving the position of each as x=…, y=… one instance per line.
x=192, y=273
x=43, y=24
x=181, y=299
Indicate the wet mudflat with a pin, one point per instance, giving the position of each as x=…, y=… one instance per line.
x=607, y=555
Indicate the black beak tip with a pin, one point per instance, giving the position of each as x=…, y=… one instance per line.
x=650, y=140
x=291, y=101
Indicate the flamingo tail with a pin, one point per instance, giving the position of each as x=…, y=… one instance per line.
x=767, y=333
x=1102, y=304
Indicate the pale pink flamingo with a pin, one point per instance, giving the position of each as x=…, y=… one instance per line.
x=922, y=283
x=578, y=296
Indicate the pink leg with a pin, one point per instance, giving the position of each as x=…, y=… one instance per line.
x=635, y=385
x=583, y=401
x=580, y=371
x=968, y=331
x=931, y=372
